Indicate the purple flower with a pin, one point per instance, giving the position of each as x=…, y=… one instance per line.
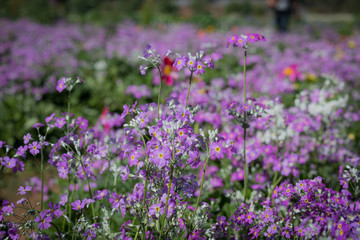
x=9, y=162
x=27, y=138
x=21, y=151
x=192, y=64
x=156, y=210
x=54, y=210
x=100, y=194
x=232, y=40
x=44, y=221
x=61, y=84
x=60, y=122
x=34, y=147
x=216, y=151
x=180, y=63
x=142, y=70
x=147, y=51
x=49, y=118
x=82, y=123
x=89, y=234
x=200, y=68
x=38, y=125
x=240, y=42
x=22, y=190
x=78, y=205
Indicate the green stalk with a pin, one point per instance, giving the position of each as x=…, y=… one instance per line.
x=90, y=194
x=188, y=92
x=246, y=168
x=245, y=53
x=168, y=194
x=201, y=185
x=42, y=179
x=159, y=96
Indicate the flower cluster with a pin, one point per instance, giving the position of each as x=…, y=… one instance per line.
x=195, y=63
x=246, y=113
x=244, y=41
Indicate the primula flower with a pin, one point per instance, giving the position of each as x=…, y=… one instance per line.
x=34, y=147
x=54, y=210
x=216, y=151
x=90, y=234
x=23, y=190
x=61, y=85
x=27, y=138
x=180, y=63
x=156, y=210
x=290, y=72
x=200, y=68
x=21, y=151
x=44, y=221
x=60, y=122
x=82, y=123
x=78, y=205
x=244, y=40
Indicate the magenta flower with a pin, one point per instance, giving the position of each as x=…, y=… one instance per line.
x=27, y=138
x=44, y=221
x=21, y=151
x=191, y=64
x=34, y=147
x=240, y=42
x=156, y=210
x=82, y=123
x=180, y=63
x=200, y=68
x=61, y=85
x=60, y=122
x=216, y=151
x=9, y=162
x=142, y=70
x=23, y=190
x=54, y=210
x=78, y=205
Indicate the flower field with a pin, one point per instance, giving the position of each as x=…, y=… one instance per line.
x=176, y=132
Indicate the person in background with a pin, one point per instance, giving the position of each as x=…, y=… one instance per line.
x=282, y=10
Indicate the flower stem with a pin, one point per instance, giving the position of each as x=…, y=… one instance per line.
x=246, y=168
x=188, y=92
x=159, y=96
x=42, y=179
x=90, y=194
x=245, y=53
x=167, y=203
x=168, y=193
x=201, y=185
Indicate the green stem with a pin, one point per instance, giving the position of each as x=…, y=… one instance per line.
x=201, y=185
x=57, y=230
x=245, y=53
x=246, y=168
x=90, y=194
x=42, y=179
x=69, y=204
x=167, y=201
x=292, y=218
x=188, y=92
x=144, y=199
x=159, y=96
x=68, y=115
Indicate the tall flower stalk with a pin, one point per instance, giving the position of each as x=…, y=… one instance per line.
x=159, y=96
x=245, y=113
x=188, y=92
x=246, y=165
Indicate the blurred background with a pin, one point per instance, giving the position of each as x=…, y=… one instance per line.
x=203, y=12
